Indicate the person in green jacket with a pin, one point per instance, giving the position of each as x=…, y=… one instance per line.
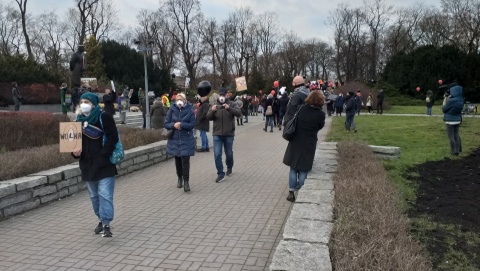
x=65, y=99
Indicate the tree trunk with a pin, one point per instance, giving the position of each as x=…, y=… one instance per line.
x=23, y=9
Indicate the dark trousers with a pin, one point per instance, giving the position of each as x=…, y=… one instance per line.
x=454, y=138
x=379, y=108
x=17, y=107
x=182, y=163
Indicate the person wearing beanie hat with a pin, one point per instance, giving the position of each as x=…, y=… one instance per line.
x=297, y=99
x=94, y=159
x=350, y=111
x=223, y=113
x=181, y=144
x=202, y=125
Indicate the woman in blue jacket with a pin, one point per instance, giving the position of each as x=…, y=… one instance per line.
x=181, y=119
x=452, y=115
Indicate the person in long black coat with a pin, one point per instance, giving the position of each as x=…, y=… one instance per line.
x=301, y=148
x=108, y=102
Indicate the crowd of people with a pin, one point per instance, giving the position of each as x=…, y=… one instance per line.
x=226, y=111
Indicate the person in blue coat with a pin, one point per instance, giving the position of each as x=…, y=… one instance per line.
x=181, y=119
x=339, y=102
x=452, y=115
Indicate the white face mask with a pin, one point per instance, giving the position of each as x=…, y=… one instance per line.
x=180, y=103
x=221, y=99
x=86, y=108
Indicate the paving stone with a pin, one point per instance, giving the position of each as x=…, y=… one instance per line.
x=27, y=182
x=314, y=196
x=298, y=256
x=322, y=212
x=313, y=231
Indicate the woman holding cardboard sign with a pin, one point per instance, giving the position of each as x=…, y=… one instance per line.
x=97, y=170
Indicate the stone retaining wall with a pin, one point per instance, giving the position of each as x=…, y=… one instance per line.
x=307, y=231
x=25, y=193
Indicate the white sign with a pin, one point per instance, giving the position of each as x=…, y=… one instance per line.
x=187, y=82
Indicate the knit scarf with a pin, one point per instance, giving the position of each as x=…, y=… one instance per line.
x=92, y=118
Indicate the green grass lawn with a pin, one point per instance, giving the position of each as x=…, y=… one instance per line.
x=421, y=139
x=413, y=109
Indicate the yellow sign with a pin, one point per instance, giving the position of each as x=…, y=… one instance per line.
x=70, y=136
x=241, y=83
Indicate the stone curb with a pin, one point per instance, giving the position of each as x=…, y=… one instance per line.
x=25, y=193
x=307, y=230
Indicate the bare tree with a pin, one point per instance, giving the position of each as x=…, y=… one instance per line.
x=22, y=4
x=185, y=18
x=10, y=21
x=241, y=52
x=85, y=11
x=51, y=35
x=465, y=20
x=267, y=33
x=376, y=16
x=103, y=20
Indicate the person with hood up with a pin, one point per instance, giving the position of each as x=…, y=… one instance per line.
x=157, y=113
x=223, y=113
x=350, y=111
x=181, y=119
x=299, y=95
x=452, y=115
x=339, y=103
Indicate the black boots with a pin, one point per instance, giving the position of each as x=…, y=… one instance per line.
x=180, y=182
x=291, y=196
x=186, y=186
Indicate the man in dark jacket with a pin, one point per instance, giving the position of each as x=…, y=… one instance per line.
x=350, y=111
x=283, y=101
x=452, y=115
x=202, y=124
x=380, y=98
x=17, y=98
x=223, y=115
x=297, y=99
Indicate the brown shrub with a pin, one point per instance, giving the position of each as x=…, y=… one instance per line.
x=29, y=129
x=29, y=159
x=370, y=232
x=20, y=163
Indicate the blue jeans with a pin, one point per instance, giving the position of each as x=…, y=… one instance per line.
x=280, y=117
x=101, y=195
x=204, y=138
x=227, y=143
x=269, y=121
x=296, y=178
x=349, y=123
x=429, y=110
x=246, y=116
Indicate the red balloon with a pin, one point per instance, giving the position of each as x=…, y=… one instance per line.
x=330, y=84
x=418, y=88
x=259, y=92
x=275, y=84
x=440, y=82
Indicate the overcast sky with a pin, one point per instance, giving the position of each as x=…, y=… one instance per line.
x=307, y=17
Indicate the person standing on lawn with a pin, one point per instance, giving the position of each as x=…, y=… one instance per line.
x=380, y=98
x=181, y=119
x=339, y=103
x=223, y=114
x=94, y=159
x=17, y=98
x=452, y=115
x=429, y=102
x=301, y=149
x=350, y=111
x=369, y=103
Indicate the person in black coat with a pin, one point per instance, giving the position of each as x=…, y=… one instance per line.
x=108, y=102
x=283, y=101
x=350, y=111
x=380, y=98
x=202, y=124
x=301, y=148
x=94, y=158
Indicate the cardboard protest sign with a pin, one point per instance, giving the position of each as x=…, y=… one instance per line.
x=70, y=136
x=89, y=82
x=241, y=83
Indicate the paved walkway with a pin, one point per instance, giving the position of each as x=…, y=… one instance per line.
x=235, y=225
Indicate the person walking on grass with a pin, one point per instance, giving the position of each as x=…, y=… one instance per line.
x=301, y=148
x=339, y=104
x=350, y=111
x=181, y=119
x=94, y=159
x=452, y=115
x=369, y=103
x=223, y=113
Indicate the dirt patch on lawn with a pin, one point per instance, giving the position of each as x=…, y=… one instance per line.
x=448, y=194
